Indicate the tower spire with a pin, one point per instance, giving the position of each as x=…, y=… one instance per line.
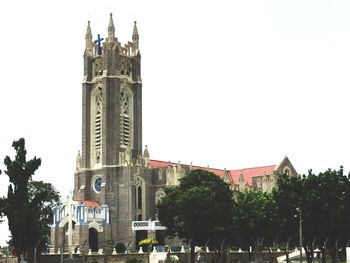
x=135, y=36
x=111, y=29
x=88, y=37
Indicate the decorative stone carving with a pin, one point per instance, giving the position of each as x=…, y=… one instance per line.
x=125, y=66
x=128, y=156
x=98, y=67
x=122, y=160
x=159, y=195
x=125, y=157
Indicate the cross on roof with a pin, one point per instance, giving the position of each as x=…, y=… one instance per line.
x=98, y=41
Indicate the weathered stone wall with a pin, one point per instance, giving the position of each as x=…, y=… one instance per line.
x=90, y=258
x=8, y=260
x=210, y=257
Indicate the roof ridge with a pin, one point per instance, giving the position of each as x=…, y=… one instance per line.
x=193, y=166
x=212, y=168
x=263, y=166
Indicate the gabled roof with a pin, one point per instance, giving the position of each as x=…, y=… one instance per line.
x=249, y=173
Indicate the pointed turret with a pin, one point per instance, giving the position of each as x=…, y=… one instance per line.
x=88, y=37
x=111, y=29
x=135, y=36
x=78, y=162
x=146, y=157
x=146, y=153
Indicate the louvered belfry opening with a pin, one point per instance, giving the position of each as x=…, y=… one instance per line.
x=125, y=119
x=98, y=125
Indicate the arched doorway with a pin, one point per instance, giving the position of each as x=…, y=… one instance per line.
x=93, y=239
x=160, y=236
x=140, y=235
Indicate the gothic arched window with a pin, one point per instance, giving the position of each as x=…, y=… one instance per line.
x=287, y=171
x=140, y=196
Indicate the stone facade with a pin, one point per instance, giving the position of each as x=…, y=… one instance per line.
x=116, y=185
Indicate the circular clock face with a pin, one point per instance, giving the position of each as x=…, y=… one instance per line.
x=97, y=184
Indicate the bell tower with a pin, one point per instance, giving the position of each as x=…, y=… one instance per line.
x=111, y=113
x=112, y=100
x=113, y=182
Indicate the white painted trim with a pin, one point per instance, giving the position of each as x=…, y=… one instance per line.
x=64, y=221
x=96, y=226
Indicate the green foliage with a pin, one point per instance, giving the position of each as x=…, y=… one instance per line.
x=200, y=208
x=28, y=205
x=254, y=217
x=197, y=210
x=288, y=196
x=324, y=200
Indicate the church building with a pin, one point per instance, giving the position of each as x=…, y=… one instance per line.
x=116, y=184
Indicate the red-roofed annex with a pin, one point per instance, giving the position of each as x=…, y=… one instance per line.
x=262, y=177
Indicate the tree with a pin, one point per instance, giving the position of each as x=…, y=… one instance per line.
x=254, y=219
x=29, y=203
x=331, y=207
x=200, y=208
x=288, y=196
x=324, y=203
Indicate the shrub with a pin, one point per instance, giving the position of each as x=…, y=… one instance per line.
x=120, y=248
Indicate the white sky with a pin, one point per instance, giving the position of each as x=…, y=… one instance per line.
x=229, y=84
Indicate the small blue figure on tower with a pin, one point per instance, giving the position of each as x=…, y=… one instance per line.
x=98, y=41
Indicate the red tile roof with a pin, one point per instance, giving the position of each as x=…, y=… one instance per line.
x=248, y=173
x=159, y=164
x=90, y=204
